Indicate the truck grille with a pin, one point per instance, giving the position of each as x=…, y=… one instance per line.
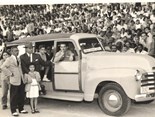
x=148, y=83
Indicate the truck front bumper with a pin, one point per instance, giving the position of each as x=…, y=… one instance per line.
x=144, y=97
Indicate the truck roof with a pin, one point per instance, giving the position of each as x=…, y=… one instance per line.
x=54, y=36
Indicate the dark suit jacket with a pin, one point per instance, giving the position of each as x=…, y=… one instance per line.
x=36, y=60
x=49, y=56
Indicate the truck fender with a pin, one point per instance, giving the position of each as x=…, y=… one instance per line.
x=125, y=77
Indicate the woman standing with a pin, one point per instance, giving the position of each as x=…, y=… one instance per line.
x=4, y=82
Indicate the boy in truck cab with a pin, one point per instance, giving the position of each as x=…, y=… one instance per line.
x=64, y=54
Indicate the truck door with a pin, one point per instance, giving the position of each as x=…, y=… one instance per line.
x=67, y=72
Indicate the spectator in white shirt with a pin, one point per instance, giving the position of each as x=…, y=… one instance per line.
x=144, y=40
x=138, y=25
x=149, y=39
x=140, y=49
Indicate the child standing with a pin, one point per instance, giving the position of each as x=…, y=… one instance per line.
x=4, y=81
x=32, y=87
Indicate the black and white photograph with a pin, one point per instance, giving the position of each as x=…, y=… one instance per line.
x=82, y=59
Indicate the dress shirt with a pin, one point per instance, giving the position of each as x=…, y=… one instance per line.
x=30, y=55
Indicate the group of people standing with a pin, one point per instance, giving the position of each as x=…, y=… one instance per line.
x=22, y=77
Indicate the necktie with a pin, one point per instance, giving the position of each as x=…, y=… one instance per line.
x=17, y=61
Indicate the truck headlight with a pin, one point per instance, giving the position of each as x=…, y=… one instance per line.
x=138, y=75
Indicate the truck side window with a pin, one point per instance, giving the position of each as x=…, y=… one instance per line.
x=65, y=51
x=89, y=45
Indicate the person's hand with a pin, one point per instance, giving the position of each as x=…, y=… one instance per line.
x=71, y=57
x=7, y=79
x=25, y=78
x=12, y=75
x=62, y=54
x=32, y=75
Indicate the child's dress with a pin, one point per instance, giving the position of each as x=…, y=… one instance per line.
x=32, y=87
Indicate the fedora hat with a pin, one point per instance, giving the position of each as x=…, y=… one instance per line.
x=29, y=45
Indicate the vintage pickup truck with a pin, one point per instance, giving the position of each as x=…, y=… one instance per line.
x=115, y=79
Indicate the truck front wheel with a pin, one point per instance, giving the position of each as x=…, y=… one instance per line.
x=113, y=100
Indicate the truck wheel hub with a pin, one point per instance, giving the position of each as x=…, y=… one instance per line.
x=112, y=100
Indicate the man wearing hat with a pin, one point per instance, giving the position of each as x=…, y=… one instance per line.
x=29, y=57
x=12, y=68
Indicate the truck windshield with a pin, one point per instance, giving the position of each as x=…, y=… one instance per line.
x=90, y=45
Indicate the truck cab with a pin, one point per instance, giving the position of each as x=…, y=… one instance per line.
x=113, y=78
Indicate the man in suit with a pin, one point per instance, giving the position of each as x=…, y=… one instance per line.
x=30, y=57
x=12, y=69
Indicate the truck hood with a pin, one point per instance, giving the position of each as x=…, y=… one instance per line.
x=106, y=60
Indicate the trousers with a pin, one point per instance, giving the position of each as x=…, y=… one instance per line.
x=5, y=89
x=17, y=97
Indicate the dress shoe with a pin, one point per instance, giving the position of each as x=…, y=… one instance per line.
x=32, y=111
x=4, y=107
x=37, y=111
x=15, y=114
x=24, y=112
x=45, y=79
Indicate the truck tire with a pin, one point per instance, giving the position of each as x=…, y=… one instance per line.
x=113, y=100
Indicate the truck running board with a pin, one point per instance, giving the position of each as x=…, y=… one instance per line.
x=69, y=96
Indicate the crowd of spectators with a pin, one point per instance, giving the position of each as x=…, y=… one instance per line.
x=124, y=26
